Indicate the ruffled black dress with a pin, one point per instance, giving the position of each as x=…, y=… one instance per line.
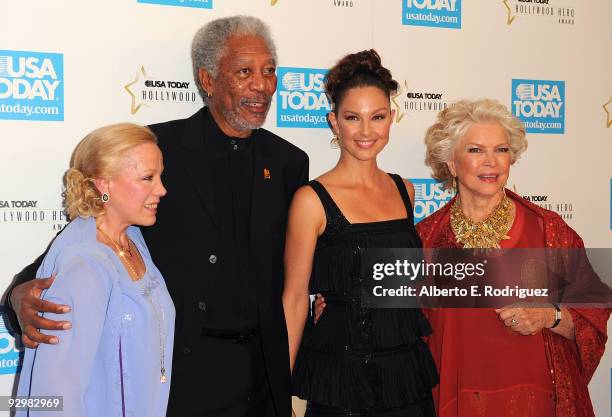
x=357, y=361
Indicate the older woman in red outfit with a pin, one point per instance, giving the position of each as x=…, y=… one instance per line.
x=513, y=361
x=509, y=361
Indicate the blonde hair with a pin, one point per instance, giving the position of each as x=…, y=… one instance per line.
x=99, y=155
x=453, y=123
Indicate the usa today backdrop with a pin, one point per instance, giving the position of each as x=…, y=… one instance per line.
x=67, y=67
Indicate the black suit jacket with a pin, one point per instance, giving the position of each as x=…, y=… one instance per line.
x=185, y=245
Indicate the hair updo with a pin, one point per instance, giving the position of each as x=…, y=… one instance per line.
x=361, y=69
x=101, y=154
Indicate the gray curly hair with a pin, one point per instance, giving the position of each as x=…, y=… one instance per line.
x=208, y=45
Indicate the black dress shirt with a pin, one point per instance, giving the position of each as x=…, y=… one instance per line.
x=232, y=304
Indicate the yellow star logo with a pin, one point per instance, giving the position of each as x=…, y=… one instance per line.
x=127, y=87
x=510, y=18
x=273, y=2
x=399, y=114
x=609, y=116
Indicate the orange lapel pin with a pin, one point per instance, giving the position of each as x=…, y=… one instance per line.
x=266, y=174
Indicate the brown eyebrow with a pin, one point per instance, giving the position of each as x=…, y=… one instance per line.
x=356, y=113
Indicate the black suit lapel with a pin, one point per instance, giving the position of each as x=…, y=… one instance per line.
x=194, y=162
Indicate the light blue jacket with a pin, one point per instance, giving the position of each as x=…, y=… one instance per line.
x=108, y=364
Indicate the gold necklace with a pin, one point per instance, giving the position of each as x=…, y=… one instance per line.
x=148, y=295
x=121, y=252
x=485, y=234
x=147, y=292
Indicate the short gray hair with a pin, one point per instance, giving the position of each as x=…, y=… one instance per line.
x=453, y=123
x=208, y=45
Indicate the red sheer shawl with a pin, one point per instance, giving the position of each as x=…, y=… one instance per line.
x=572, y=362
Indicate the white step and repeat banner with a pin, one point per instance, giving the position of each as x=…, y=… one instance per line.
x=67, y=67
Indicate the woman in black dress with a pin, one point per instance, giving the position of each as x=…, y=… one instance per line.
x=355, y=361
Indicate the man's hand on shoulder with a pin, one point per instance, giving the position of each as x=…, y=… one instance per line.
x=25, y=299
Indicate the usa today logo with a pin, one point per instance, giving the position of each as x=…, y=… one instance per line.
x=10, y=355
x=301, y=100
x=434, y=13
x=31, y=85
x=429, y=196
x=200, y=4
x=540, y=105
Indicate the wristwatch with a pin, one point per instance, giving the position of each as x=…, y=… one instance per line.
x=557, y=315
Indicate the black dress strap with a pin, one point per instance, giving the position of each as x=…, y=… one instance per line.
x=401, y=186
x=332, y=211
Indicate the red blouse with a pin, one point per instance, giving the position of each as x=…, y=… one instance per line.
x=488, y=370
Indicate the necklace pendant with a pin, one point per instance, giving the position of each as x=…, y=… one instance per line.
x=163, y=378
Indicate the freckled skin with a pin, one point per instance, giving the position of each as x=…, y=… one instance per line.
x=242, y=91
